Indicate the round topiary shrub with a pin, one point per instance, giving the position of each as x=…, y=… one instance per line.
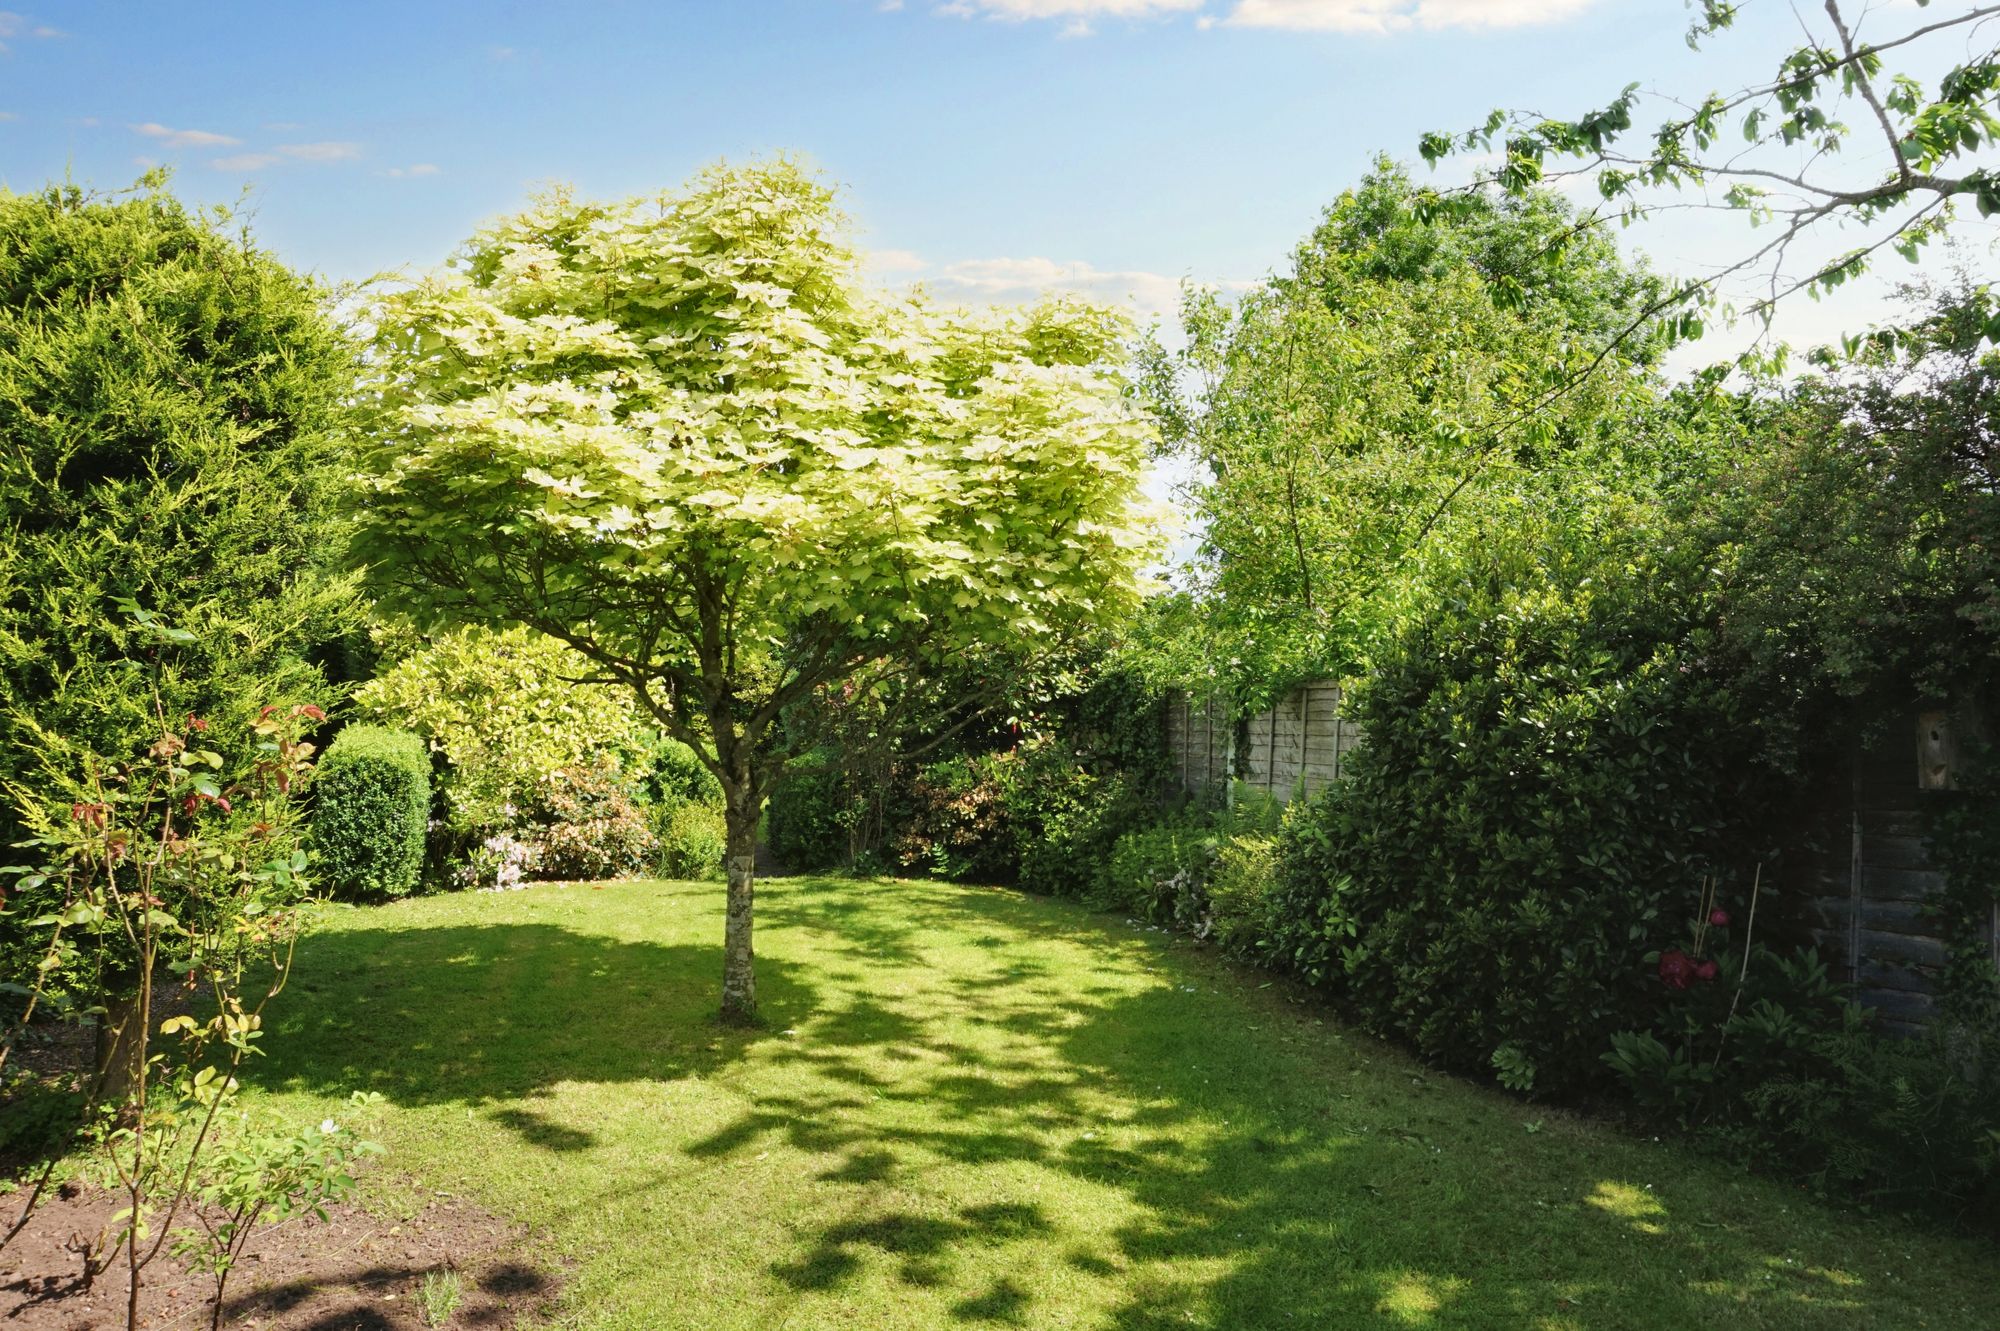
x=371, y=807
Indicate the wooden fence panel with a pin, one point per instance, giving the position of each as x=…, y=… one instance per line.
x=1297, y=745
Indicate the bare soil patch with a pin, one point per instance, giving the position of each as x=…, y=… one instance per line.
x=358, y=1271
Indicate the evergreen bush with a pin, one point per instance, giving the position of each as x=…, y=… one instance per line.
x=371, y=808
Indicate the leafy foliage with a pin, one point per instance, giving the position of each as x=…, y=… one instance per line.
x=1774, y=1058
x=504, y=709
x=952, y=820
x=1365, y=411
x=371, y=808
x=680, y=434
x=1241, y=892
x=263, y=1173
x=170, y=399
x=812, y=816
x=675, y=775
x=1546, y=768
x=1783, y=153
x=1161, y=874
x=187, y=862
x=688, y=839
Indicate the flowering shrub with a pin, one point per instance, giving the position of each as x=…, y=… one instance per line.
x=584, y=824
x=1770, y=1057
x=500, y=863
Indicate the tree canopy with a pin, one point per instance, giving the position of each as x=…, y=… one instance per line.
x=680, y=434
x=1407, y=378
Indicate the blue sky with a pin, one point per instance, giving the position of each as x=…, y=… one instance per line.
x=987, y=146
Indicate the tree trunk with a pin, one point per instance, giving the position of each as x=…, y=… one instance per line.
x=739, y=962
x=119, y=1028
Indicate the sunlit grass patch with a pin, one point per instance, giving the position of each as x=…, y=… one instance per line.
x=970, y=1107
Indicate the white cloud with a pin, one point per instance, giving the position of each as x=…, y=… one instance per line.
x=245, y=162
x=321, y=152
x=1078, y=12
x=6, y=116
x=1006, y=280
x=894, y=261
x=418, y=169
x=185, y=138
x=14, y=25
x=1381, y=16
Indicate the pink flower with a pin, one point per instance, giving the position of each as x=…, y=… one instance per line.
x=1677, y=969
x=1718, y=917
x=1706, y=970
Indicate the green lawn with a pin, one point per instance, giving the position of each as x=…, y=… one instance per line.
x=971, y=1107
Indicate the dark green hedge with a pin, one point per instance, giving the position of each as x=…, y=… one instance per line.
x=371, y=807
x=1548, y=778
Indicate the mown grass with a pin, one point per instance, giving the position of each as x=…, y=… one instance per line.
x=971, y=1107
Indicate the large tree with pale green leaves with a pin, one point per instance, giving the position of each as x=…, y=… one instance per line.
x=680, y=434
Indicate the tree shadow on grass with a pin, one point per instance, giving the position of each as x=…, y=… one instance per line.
x=492, y=1014
x=1341, y=1185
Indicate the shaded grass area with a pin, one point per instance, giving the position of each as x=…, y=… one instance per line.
x=971, y=1107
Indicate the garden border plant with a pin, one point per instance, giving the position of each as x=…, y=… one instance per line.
x=184, y=862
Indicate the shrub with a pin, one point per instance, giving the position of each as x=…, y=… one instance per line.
x=1548, y=771
x=674, y=775
x=811, y=814
x=953, y=821
x=1795, y=1074
x=1066, y=818
x=586, y=826
x=371, y=807
x=171, y=408
x=689, y=840
x=1161, y=874
x=1242, y=896
x=503, y=710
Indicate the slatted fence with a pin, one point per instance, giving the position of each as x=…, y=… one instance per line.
x=1294, y=747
